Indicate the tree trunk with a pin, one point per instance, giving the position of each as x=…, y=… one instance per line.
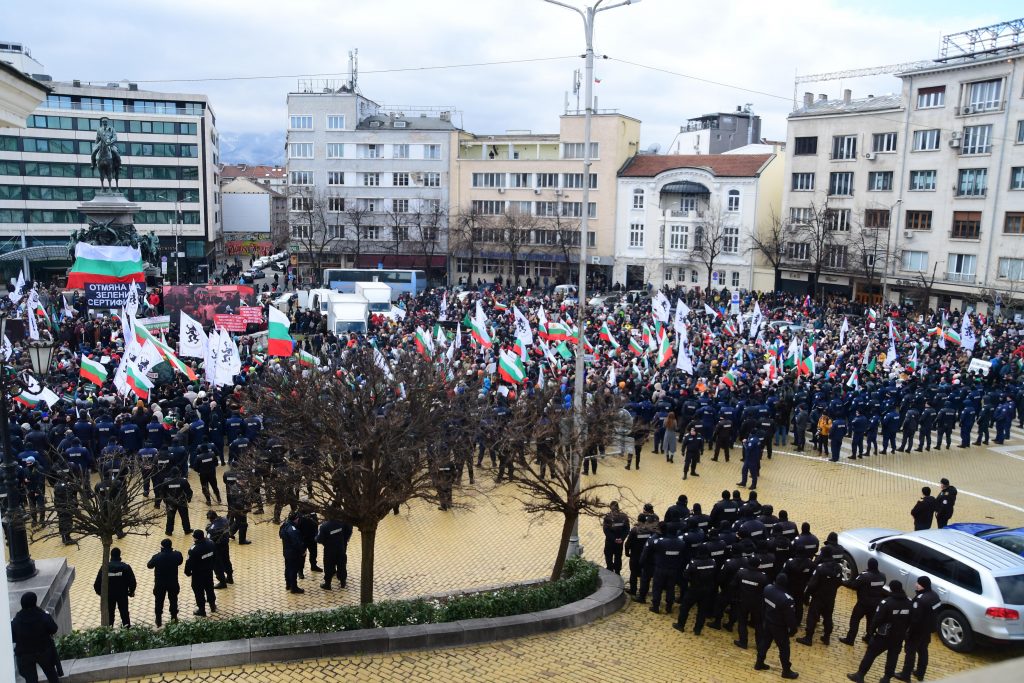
x=105, y=582
x=563, y=544
x=367, y=538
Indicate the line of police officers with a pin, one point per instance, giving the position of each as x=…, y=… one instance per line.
x=741, y=566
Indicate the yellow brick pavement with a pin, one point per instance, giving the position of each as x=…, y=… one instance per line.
x=424, y=551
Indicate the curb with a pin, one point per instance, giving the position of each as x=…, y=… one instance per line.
x=607, y=599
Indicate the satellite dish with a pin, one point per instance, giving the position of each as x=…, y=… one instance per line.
x=654, y=148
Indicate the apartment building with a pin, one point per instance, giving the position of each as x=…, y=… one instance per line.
x=516, y=200
x=913, y=197
x=718, y=132
x=169, y=152
x=255, y=218
x=690, y=220
x=367, y=183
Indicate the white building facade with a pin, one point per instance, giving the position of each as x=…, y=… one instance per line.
x=679, y=214
x=933, y=178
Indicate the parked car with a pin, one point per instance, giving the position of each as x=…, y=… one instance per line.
x=608, y=300
x=1004, y=537
x=980, y=585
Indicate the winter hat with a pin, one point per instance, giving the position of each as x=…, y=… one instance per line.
x=924, y=582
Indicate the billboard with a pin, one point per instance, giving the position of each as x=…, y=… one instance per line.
x=203, y=302
x=109, y=294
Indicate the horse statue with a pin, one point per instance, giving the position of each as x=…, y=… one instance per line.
x=105, y=156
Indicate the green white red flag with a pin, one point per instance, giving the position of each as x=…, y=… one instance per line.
x=97, y=264
x=92, y=371
x=279, y=342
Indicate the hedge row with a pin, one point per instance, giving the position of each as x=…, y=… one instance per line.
x=579, y=580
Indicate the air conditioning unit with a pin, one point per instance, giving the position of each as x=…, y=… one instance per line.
x=870, y=156
x=501, y=190
x=908, y=235
x=417, y=177
x=536, y=190
x=966, y=110
x=954, y=142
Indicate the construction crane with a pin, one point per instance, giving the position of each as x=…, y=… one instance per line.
x=854, y=73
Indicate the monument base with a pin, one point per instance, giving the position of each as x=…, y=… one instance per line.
x=52, y=586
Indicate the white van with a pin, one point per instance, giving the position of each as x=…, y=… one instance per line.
x=348, y=313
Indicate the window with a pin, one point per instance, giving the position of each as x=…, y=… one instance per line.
x=1020, y=132
x=730, y=240
x=1013, y=224
x=335, y=150
x=883, y=142
x=928, y=98
x=960, y=267
x=336, y=231
x=431, y=151
x=880, y=181
x=977, y=140
x=371, y=179
x=335, y=122
x=523, y=180
x=574, y=150
x=636, y=234
x=369, y=151
x=546, y=209
x=488, y=207
x=668, y=273
x=876, y=218
x=679, y=237
x=520, y=208
x=488, y=180
x=972, y=182
x=400, y=151
x=804, y=146
x=734, y=200
x=918, y=220
x=400, y=206
x=837, y=220
x=693, y=276
x=400, y=233
x=371, y=232
x=800, y=215
x=335, y=203
x=400, y=179
x=432, y=180
x=302, y=204
x=926, y=140
x=574, y=181
x=922, y=181
x=836, y=256
x=735, y=278
x=844, y=147
x=1011, y=268
x=914, y=261
x=638, y=199
x=803, y=182
x=300, y=178
x=335, y=178
x=840, y=184
x=901, y=550
x=984, y=95
x=966, y=225
x=399, y=124
x=301, y=123
x=547, y=180
x=1017, y=178
x=430, y=206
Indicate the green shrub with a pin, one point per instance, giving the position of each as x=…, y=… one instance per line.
x=579, y=579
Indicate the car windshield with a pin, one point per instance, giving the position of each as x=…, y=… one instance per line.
x=1013, y=543
x=1012, y=588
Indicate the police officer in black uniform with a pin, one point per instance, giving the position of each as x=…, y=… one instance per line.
x=121, y=586
x=294, y=553
x=821, y=595
x=199, y=566
x=693, y=446
x=780, y=624
x=870, y=587
x=616, y=528
x=334, y=536
x=238, y=506
x=219, y=533
x=887, y=630
x=700, y=575
x=748, y=586
x=204, y=462
x=165, y=579
x=646, y=527
x=944, y=503
x=177, y=494
x=923, y=610
x=667, y=551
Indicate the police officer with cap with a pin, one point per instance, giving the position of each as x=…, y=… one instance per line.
x=199, y=566
x=165, y=579
x=923, y=610
x=887, y=630
x=779, y=625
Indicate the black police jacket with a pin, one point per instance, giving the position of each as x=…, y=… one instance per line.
x=779, y=607
x=892, y=617
x=165, y=568
x=870, y=586
x=923, y=610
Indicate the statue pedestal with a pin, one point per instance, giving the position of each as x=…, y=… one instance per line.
x=109, y=207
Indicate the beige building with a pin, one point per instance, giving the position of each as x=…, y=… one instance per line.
x=516, y=200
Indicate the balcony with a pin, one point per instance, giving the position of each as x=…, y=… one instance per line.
x=684, y=213
x=966, y=278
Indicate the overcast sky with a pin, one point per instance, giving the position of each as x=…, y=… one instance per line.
x=182, y=46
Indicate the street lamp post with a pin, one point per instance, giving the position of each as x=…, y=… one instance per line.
x=20, y=567
x=587, y=14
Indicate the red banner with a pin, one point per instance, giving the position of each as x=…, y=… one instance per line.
x=203, y=302
x=231, y=323
x=251, y=314
x=249, y=248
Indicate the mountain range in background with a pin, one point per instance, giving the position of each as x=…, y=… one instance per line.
x=252, y=148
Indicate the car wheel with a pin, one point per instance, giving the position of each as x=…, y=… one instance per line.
x=955, y=631
x=847, y=567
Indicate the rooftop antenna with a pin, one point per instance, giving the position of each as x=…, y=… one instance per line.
x=353, y=68
x=576, y=88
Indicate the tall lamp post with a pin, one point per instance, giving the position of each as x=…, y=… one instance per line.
x=20, y=567
x=588, y=14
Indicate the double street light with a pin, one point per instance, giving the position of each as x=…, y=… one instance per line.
x=588, y=14
x=20, y=566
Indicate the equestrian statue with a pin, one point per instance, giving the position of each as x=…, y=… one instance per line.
x=105, y=156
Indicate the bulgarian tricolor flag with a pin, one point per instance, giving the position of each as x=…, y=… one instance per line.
x=854, y=381
x=912, y=363
x=635, y=346
x=307, y=360
x=424, y=344
x=479, y=332
x=729, y=379
x=664, y=350
x=872, y=316
x=806, y=366
x=143, y=335
x=646, y=336
x=91, y=371
x=557, y=331
x=279, y=342
x=572, y=334
x=951, y=335
x=510, y=368
x=138, y=382
x=729, y=328
x=606, y=335
x=500, y=307
x=97, y=264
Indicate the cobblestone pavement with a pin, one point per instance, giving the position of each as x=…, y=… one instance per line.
x=426, y=551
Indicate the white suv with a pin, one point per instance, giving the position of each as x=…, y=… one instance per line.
x=981, y=585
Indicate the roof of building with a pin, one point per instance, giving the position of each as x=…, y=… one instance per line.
x=721, y=165
x=243, y=185
x=247, y=171
x=382, y=122
x=25, y=78
x=858, y=106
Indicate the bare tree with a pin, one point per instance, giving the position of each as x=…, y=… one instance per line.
x=818, y=230
x=427, y=234
x=377, y=436
x=114, y=508
x=769, y=240
x=466, y=236
x=357, y=219
x=312, y=229
x=515, y=234
x=868, y=255
x=397, y=222
x=550, y=482
x=925, y=286
x=709, y=238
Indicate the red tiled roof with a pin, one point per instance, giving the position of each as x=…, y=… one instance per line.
x=722, y=165
x=254, y=172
